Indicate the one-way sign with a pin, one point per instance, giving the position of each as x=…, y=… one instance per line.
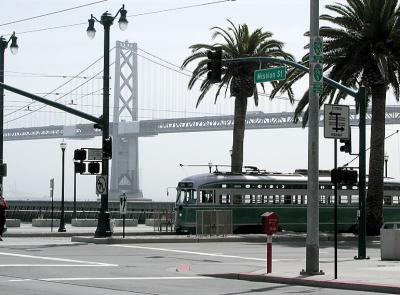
x=336, y=121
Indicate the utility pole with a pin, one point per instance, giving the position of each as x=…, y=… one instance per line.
x=312, y=240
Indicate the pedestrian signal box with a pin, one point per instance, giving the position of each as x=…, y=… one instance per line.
x=270, y=221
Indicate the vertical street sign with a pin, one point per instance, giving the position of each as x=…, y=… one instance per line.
x=123, y=204
x=101, y=184
x=123, y=208
x=336, y=121
x=318, y=49
x=52, y=201
x=316, y=65
x=317, y=78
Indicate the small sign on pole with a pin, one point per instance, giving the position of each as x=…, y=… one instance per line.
x=101, y=184
x=336, y=121
x=318, y=49
x=52, y=201
x=123, y=206
x=94, y=154
x=317, y=78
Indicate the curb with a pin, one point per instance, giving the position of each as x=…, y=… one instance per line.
x=162, y=239
x=169, y=238
x=80, y=234
x=306, y=281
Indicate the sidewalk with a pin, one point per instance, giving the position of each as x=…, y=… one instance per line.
x=368, y=275
x=27, y=230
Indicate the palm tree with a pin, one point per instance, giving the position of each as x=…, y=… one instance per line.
x=237, y=77
x=361, y=49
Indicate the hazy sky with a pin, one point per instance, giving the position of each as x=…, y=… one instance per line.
x=168, y=35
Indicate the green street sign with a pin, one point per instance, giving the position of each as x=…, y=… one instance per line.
x=317, y=77
x=271, y=74
x=318, y=49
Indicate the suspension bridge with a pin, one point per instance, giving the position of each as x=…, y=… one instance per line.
x=150, y=97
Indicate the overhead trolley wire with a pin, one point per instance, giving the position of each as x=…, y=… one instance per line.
x=132, y=15
x=51, y=13
x=65, y=83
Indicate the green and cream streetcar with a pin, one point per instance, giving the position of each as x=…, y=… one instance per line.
x=248, y=195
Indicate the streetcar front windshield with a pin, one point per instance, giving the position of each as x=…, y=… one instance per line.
x=186, y=196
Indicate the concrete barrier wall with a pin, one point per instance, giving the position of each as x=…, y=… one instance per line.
x=128, y=222
x=45, y=222
x=13, y=223
x=84, y=222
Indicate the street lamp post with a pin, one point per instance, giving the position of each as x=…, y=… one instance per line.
x=386, y=161
x=103, y=225
x=14, y=49
x=63, y=146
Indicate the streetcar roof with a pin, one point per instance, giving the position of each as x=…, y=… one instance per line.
x=199, y=180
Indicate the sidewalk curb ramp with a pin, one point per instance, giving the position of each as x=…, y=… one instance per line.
x=311, y=282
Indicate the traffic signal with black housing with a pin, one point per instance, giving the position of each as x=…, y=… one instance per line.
x=344, y=176
x=346, y=147
x=94, y=167
x=107, y=148
x=80, y=167
x=80, y=155
x=214, y=65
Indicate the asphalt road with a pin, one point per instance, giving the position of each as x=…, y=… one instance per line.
x=57, y=266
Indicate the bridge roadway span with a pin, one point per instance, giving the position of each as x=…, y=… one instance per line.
x=254, y=120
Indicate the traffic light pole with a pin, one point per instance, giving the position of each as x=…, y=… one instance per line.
x=335, y=206
x=362, y=228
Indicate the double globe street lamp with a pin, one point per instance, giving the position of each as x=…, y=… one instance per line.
x=14, y=49
x=106, y=20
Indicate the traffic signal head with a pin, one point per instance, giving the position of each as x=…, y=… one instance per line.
x=214, y=65
x=350, y=177
x=94, y=167
x=80, y=167
x=80, y=155
x=346, y=147
x=344, y=176
x=107, y=148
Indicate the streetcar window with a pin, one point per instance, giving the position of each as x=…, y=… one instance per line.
x=225, y=199
x=396, y=200
x=322, y=200
x=287, y=199
x=387, y=200
x=249, y=199
x=343, y=200
x=186, y=196
x=354, y=199
x=206, y=196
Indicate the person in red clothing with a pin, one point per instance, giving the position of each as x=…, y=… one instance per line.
x=3, y=207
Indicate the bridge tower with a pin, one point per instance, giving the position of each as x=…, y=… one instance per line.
x=125, y=166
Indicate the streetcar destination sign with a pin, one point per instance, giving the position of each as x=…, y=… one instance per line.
x=336, y=121
x=269, y=75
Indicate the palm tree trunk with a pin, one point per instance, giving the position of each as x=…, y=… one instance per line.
x=238, y=134
x=376, y=161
